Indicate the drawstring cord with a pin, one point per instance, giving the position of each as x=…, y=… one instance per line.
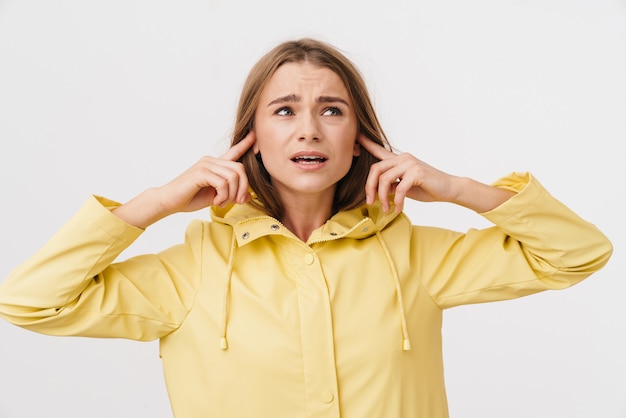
x=406, y=343
x=226, y=299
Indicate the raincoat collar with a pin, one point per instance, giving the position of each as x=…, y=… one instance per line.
x=250, y=222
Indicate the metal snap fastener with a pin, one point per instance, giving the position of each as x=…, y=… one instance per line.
x=245, y=235
x=274, y=227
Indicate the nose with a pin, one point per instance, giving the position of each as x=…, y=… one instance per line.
x=309, y=128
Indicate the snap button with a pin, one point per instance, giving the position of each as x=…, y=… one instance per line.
x=245, y=235
x=308, y=258
x=274, y=227
x=327, y=397
x=365, y=229
x=334, y=234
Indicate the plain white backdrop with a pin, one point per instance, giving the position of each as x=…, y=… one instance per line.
x=113, y=97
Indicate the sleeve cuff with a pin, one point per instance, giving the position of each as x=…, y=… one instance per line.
x=98, y=211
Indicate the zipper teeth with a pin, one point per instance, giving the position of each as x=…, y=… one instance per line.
x=256, y=218
x=357, y=225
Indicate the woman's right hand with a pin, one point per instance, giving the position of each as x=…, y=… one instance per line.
x=211, y=181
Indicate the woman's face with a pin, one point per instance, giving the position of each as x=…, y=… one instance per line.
x=306, y=130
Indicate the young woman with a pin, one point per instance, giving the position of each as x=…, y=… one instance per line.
x=309, y=293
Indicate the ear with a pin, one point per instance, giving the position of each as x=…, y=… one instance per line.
x=357, y=147
x=255, y=148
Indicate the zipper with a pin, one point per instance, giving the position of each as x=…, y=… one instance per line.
x=257, y=218
x=354, y=227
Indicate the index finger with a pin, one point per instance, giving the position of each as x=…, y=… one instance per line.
x=236, y=151
x=373, y=148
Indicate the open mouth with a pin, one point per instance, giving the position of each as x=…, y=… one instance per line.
x=308, y=159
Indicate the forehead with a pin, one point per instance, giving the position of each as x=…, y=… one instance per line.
x=294, y=77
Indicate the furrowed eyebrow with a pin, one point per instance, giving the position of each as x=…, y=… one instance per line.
x=331, y=99
x=293, y=98
x=290, y=98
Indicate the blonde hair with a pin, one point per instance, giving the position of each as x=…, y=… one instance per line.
x=350, y=190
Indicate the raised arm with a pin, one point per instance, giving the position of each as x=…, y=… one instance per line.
x=406, y=176
x=211, y=181
x=72, y=286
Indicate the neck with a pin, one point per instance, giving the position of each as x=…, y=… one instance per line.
x=303, y=216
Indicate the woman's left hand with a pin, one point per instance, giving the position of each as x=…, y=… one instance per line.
x=405, y=176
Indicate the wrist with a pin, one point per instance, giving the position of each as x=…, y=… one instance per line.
x=143, y=210
x=480, y=197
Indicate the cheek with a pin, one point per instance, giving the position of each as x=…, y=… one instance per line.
x=271, y=142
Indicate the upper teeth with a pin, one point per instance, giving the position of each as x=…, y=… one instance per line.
x=308, y=157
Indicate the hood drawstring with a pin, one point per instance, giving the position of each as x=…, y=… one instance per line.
x=406, y=343
x=226, y=300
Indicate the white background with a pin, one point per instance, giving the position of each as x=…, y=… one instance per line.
x=112, y=97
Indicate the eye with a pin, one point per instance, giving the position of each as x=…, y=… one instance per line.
x=284, y=111
x=332, y=111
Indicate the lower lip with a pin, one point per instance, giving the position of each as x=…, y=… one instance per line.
x=310, y=166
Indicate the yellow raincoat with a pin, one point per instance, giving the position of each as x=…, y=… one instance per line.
x=255, y=323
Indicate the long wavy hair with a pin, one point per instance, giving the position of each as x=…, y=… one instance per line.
x=350, y=190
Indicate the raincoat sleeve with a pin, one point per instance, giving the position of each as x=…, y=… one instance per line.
x=537, y=244
x=71, y=287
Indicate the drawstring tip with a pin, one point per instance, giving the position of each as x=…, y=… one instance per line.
x=224, y=343
x=406, y=346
